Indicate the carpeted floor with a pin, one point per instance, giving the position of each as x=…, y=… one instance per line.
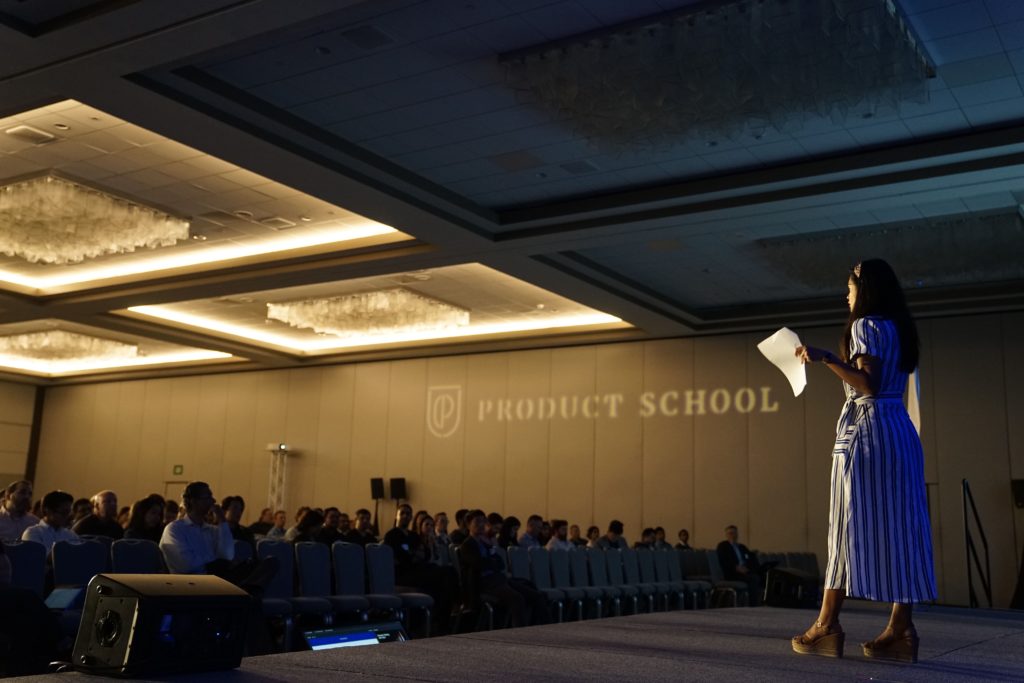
x=746, y=644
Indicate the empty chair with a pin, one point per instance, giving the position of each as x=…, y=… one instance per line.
x=736, y=589
x=562, y=580
x=282, y=586
x=136, y=556
x=579, y=574
x=540, y=574
x=699, y=590
x=484, y=612
x=314, y=560
x=350, y=578
x=599, y=577
x=644, y=561
x=664, y=575
x=518, y=563
x=76, y=562
x=28, y=565
x=613, y=567
x=380, y=565
x=631, y=572
x=695, y=565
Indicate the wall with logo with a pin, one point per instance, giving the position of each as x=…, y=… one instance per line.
x=694, y=433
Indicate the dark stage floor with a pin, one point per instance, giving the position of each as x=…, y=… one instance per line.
x=746, y=644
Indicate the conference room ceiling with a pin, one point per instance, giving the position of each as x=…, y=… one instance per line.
x=348, y=147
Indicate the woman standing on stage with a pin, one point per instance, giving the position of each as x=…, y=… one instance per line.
x=879, y=535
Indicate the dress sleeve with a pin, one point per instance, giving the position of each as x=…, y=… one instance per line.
x=867, y=339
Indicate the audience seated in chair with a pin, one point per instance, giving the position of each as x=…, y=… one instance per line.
x=331, y=531
x=684, y=540
x=264, y=524
x=593, y=536
x=15, y=515
x=279, y=529
x=659, y=539
x=102, y=520
x=739, y=564
x=574, y=536
x=647, y=539
x=613, y=540
x=560, y=536
x=508, y=534
x=80, y=509
x=414, y=569
x=531, y=536
x=193, y=546
x=54, y=525
x=234, y=508
x=461, y=532
x=146, y=520
x=172, y=511
x=309, y=527
x=362, y=533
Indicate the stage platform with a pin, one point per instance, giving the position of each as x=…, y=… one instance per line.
x=743, y=644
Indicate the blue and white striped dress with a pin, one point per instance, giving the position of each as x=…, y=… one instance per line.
x=879, y=534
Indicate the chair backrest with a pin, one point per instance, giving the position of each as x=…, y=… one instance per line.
x=75, y=563
x=243, y=550
x=136, y=556
x=314, y=563
x=540, y=568
x=714, y=567
x=105, y=540
x=578, y=570
x=613, y=563
x=645, y=559
x=380, y=567
x=560, y=573
x=675, y=569
x=519, y=562
x=349, y=568
x=28, y=565
x=694, y=563
x=282, y=586
x=598, y=566
x=630, y=566
x=661, y=569
x=812, y=564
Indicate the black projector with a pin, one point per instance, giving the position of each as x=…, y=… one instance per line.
x=143, y=624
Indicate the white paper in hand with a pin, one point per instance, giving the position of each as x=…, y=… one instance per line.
x=780, y=349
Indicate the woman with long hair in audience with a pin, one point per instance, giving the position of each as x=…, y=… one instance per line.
x=308, y=526
x=879, y=535
x=146, y=520
x=508, y=534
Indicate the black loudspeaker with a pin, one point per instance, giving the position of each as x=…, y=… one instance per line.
x=1018, y=494
x=142, y=624
x=790, y=588
x=398, y=488
x=377, y=488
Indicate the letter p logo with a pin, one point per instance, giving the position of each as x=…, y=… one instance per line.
x=444, y=410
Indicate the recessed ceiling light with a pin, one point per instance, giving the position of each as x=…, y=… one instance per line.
x=62, y=126
x=305, y=219
x=199, y=238
x=241, y=213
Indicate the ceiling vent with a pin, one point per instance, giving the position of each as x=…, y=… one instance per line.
x=367, y=37
x=579, y=167
x=31, y=135
x=277, y=223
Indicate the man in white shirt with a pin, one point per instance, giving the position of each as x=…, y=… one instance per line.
x=560, y=536
x=54, y=525
x=14, y=511
x=189, y=544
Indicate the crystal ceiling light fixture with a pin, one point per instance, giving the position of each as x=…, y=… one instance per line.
x=381, y=312
x=61, y=345
x=51, y=220
x=718, y=69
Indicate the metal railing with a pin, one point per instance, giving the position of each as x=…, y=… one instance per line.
x=973, y=562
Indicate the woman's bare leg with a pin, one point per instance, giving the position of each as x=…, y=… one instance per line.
x=900, y=620
x=828, y=617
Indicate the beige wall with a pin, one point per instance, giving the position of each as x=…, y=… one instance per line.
x=17, y=403
x=621, y=456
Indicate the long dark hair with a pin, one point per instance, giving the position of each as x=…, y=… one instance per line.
x=879, y=294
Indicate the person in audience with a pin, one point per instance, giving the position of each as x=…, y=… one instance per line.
x=545, y=532
x=461, y=532
x=412, y=568
x=426, y=550
x=171, y=510
x=684, y=540
x=192, y=546
x=344, y=523
x=593, y=536
x=330, y=532
x=646, y=539
x=308, y=528
x=560, y=538
x=659, y=539
x=739, y=564
x=37, y=509
x=278, y=530
x=508, y=535
x=291, y=531
x=494, y=524
x=54, y=525
x=612, y=540
x=441, y=554
x=362, y=534
x=417, y=516
x=80, y=509
x=123, y=515
x=264, y=524
x=147, y=519
x=234, y=508
x=531, y=537
x=102, y=521
x=483, y=572
x=574, y=537
x=14, y=512
x=441, y=528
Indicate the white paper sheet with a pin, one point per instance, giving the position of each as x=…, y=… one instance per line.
x=780, y=349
